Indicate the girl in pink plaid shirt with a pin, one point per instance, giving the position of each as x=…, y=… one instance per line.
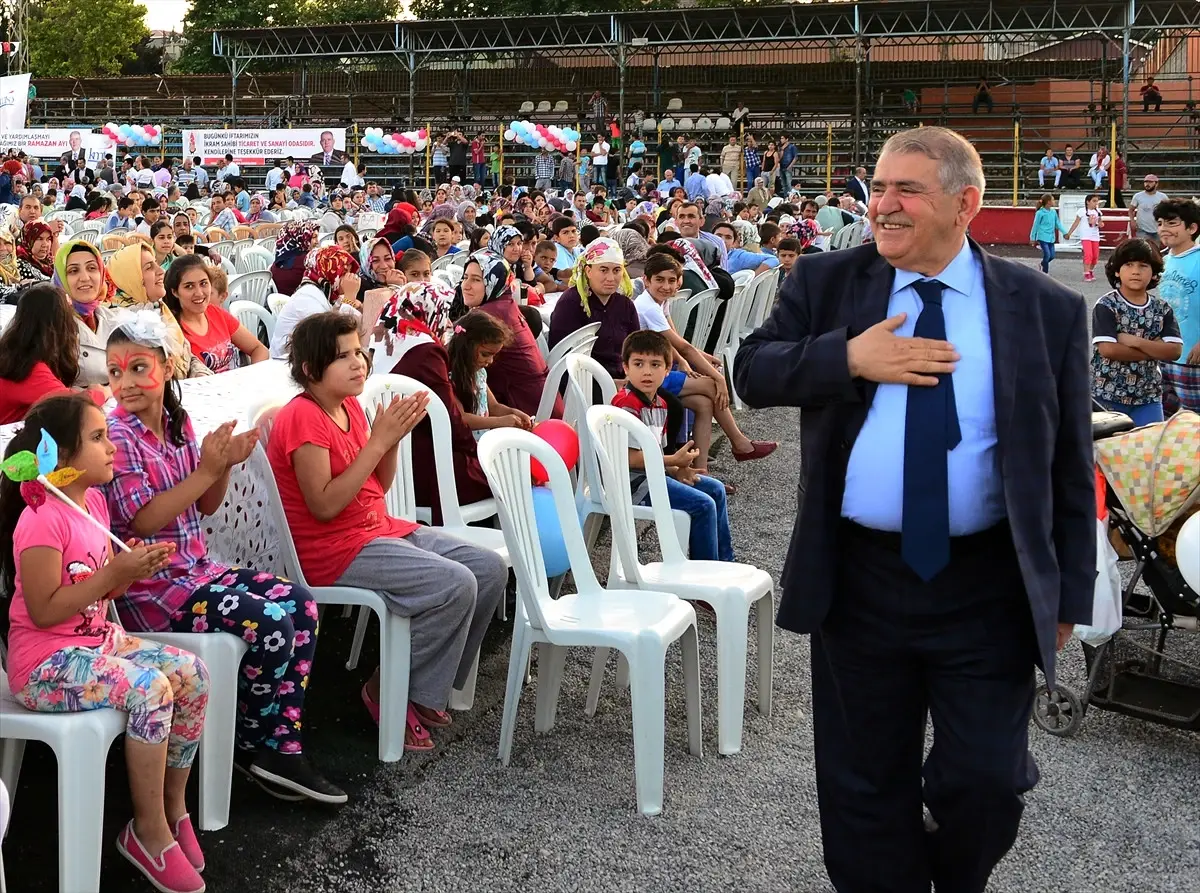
x=163, y=481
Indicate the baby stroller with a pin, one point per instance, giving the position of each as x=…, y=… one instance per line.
x=1151, y=482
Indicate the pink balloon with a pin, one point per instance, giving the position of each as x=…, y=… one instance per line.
x=397, y=136
x=151, y=130
x=421, y=134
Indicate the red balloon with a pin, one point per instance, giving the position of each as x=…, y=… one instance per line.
x=151, y=131
x=563, y=439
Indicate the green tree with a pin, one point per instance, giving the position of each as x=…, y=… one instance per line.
x=204, y=16
x=84, y=38
x=318, y=12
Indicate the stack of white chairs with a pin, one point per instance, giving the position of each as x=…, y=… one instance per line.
x=732, y=589
x=641, y=625
x=251, y=287
x=252, y=316
x=578, y=342
x=703, y=306
x=253, y=259
x=394, y=630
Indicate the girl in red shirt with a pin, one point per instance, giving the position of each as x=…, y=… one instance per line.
x=214, y=333
x=333, y=469
x=39, y=353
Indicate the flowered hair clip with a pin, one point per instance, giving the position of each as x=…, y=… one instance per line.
x=145, y=326
x=38, y=472
x=459, y=330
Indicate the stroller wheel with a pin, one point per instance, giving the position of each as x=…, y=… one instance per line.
x=1058, y=712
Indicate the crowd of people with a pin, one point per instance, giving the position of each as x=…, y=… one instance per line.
x=97, y=345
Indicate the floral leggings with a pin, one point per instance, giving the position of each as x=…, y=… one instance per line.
x=163, y=689
x=278, y=620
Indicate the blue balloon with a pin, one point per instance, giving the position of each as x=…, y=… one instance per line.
x=554, y=549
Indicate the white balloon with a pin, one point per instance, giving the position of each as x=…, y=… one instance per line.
x=571, y=145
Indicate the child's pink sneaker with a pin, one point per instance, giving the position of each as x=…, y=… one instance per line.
x=185, y=836
x=169, y=873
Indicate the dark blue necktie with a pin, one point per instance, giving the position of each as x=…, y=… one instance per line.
x=930, y=432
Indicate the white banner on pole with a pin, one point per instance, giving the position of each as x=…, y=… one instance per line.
x=14, y=102
x=45, y=143
x=313, y=145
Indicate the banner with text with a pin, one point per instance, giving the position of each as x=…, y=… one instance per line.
x=327, y=146
x=45, y=143
x=14, y=102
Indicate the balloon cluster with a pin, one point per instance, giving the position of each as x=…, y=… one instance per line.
x=133, y=134
x=394, y=143
x=542, y=136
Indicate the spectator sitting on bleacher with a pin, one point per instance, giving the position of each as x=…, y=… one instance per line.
x=1151, y=96
x=1048, y=165
x=1098, y=166
x=983, y=96
x=1070, y=168
x=667, y=183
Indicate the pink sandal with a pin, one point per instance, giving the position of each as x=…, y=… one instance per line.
x=437, y=719
x=423, y=741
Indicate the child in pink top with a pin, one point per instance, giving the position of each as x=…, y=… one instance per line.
x=66, y=656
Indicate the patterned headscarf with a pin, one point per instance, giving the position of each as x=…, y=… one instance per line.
x=30, y=233
x=633, y=245
x=692, y=261
x=416, y=313
x=600, y=251
x=325, y=265
x=715, y=207
x=806, y=231
x=295, y=240
x=364, y=253
x=498, y=275
x=444, y=211
x=10, y=273
x=646, y=209
x=501, y=237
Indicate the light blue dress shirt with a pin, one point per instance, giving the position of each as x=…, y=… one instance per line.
x=874, y=495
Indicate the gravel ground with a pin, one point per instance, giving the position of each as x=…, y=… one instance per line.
x=1117, y=809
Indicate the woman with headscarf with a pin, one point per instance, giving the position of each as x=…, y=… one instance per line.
x=35, y=253
x=439, y=212
x=138, y=278
x=78, y=199
x=97, y=207
x=331, y=281
x=259, y=212
x=378, y=264
x=409, y=339
x=600, y=292
x=518, y=372
x=466, y=217
x=398, y=226
x=79, y=271
x=292, y=245
x=10, y=270
x=634, y=246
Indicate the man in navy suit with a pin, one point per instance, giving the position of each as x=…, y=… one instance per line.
x=945, y=540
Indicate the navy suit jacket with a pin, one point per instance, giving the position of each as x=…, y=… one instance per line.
x=1042, y=377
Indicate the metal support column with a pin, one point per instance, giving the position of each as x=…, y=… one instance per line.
x=858, y=62
x=412, y=108
x=1130, y=15
x=621, y=66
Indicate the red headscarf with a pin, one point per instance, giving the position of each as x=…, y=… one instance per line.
x=398, y=218
x=30, y=233
x=327, y=264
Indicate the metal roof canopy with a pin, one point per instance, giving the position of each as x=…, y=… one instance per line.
x=734, y=28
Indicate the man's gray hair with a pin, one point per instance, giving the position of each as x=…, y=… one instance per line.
x=958, y=162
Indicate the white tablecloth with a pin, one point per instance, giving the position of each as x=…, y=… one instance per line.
x=241, y=533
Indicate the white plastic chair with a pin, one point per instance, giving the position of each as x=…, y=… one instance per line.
x=251, y=287
x=729, y=338
x=704, y=123
x=4, y=813
x=401, y=499
x=253, y=259
x=251, y=315
x=641, y=625
x=703, y=305
x=686, y=124
x=526, y=108
x=267, y=244
x=723, y=123
x=743, y=277
x=571, y=343
x=87, y=226
x=560, y=107
x=91, y=236
x=222, y=654
x=225, y=248
x=276, y=302
x=394, y=631
x=667, y=123
x=443, y=262
x=583, y=375
x=558, y=369
x=762, y=297
x=674, y=104
x=649, y=124
x=80, y=742
x=729, y=587
x=543, y=107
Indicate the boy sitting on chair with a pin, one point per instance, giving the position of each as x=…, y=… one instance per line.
x=646, y=357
